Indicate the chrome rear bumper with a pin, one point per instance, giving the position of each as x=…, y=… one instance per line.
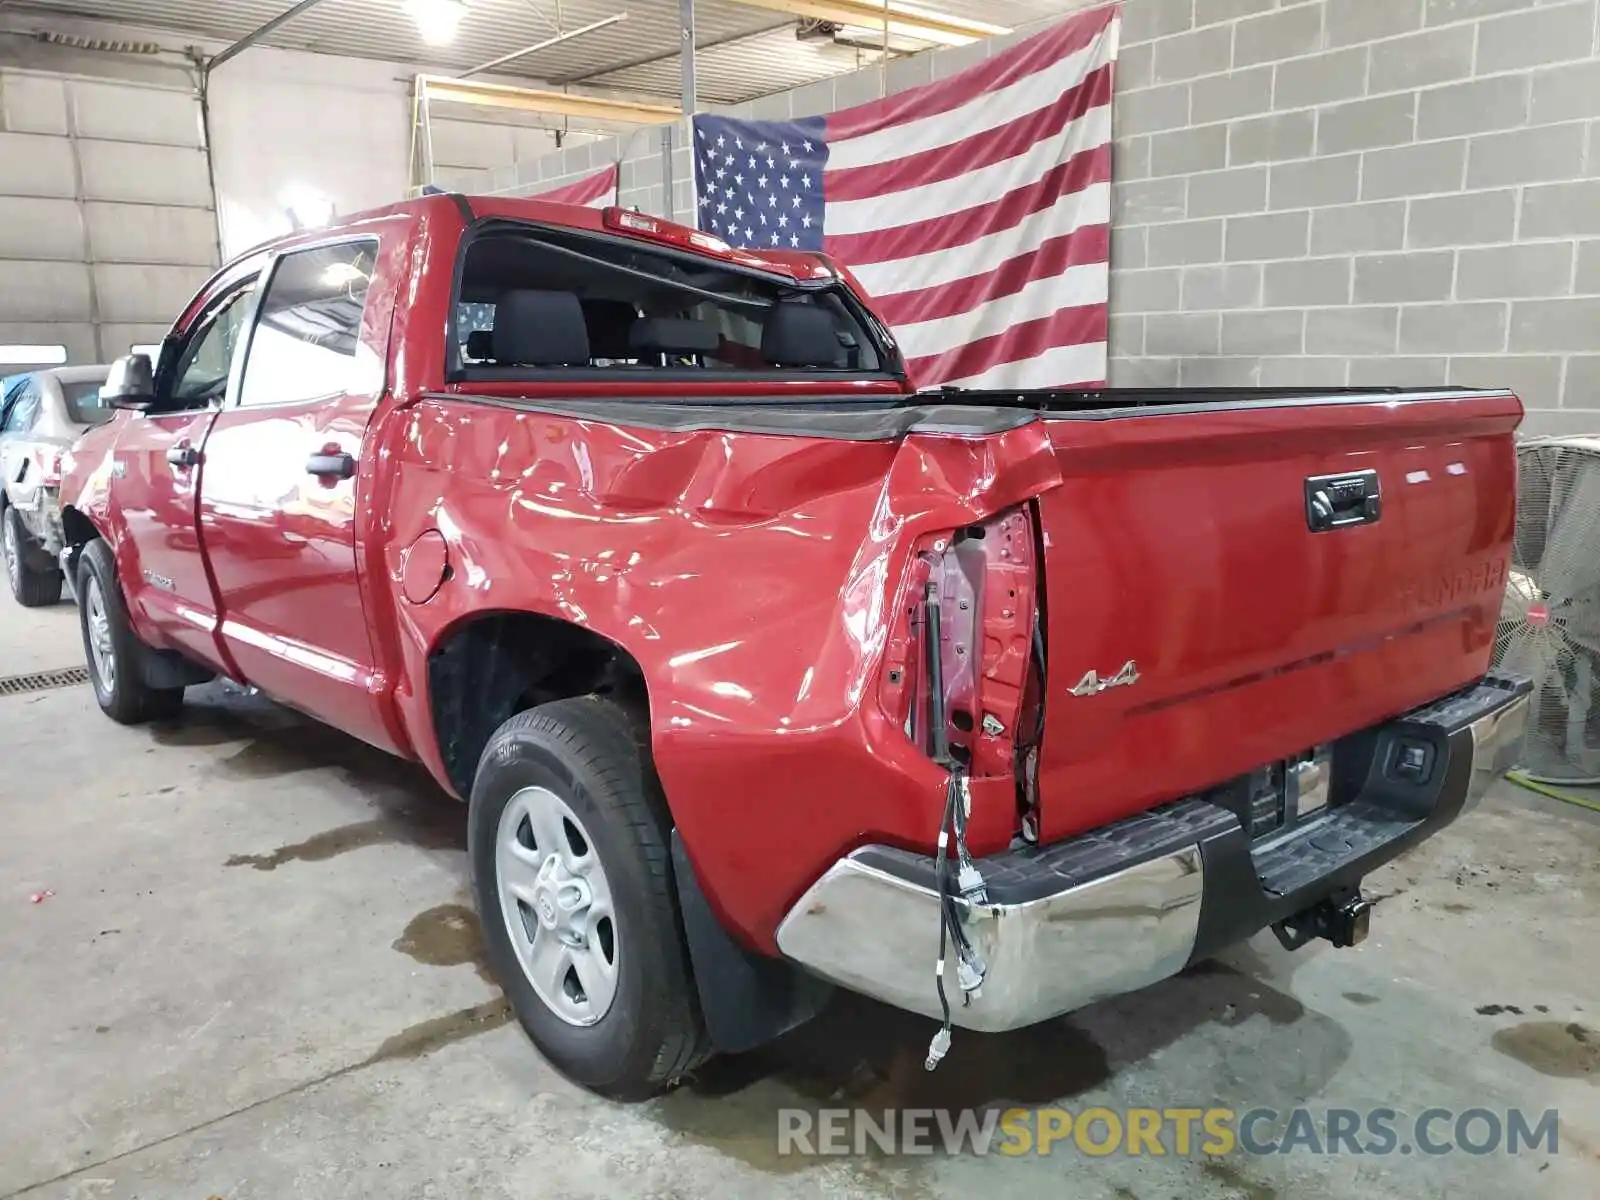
x=873, y=932
x=1123, y=907
x=1496, y=742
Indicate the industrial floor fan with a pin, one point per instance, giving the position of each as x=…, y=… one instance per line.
x=1549, y=626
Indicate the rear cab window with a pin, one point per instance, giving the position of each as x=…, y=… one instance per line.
x=536, y=302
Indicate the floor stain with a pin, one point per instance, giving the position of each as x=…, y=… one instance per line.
x=1495, y=1010
x=1563, y=1050
x=317, y=848
x=1451, y=906
x=437, y=825
x=1223, y=1172
x=866, y=1055
x=427, y=1036
x=407, y=807
x=447, y=936
x=1241, y=997
x=1361, y=998
x=870, y=1055
x=276, y=741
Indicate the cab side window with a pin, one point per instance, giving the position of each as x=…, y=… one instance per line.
x=307, y=341
x=201, y=375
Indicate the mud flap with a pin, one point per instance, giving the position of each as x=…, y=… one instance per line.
x=747, y=999
x=165, y=669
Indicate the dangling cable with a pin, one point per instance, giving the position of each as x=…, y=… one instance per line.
x=940, y=1045
x=952, y=844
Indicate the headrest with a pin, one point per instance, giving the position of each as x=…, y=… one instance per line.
x=800, y=335
x=674, y=335
x=480, y=345
x=539, y=329
x=610, y=325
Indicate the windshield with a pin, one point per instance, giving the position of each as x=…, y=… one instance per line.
x=540, y=300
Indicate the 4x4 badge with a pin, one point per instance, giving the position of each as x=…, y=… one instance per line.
x=1092, y=685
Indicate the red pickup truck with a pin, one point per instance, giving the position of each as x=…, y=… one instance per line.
x=763, y=673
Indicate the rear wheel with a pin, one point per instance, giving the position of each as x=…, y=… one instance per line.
x=573, y=880
x=113, y=650
x=32, y=587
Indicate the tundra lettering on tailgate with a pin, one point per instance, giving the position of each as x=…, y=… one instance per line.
x=1450, y=591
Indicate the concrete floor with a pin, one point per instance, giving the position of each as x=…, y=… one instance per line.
x=256, y=979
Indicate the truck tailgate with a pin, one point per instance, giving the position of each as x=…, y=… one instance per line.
x=1198, y=626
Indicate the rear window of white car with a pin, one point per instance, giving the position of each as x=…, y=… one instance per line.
x=84, y=406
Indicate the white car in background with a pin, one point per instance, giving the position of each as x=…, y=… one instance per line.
x=42, y=413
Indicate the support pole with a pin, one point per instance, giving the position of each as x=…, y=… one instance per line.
x=427, y=131
x=668, y=204
x=883, y=59
x=686, y=55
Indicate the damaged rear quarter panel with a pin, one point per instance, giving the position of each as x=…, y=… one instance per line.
x=749, y=575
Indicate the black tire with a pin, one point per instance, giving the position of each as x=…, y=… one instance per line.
x=124, y=696
x=586, y=751
x=32, y=588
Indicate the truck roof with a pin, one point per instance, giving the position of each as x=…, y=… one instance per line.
x=798, y=265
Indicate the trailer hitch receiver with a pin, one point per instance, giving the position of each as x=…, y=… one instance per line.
x=1344, y=919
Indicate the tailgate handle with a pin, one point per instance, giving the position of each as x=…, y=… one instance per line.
x=1335, y=501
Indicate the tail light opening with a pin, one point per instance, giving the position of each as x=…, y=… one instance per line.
x=977, y=589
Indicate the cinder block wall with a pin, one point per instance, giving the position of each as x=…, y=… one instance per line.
x=1317, y=192
x=1361, y=191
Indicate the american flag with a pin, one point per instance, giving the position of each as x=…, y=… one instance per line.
x=975, y=210
x=592, y=191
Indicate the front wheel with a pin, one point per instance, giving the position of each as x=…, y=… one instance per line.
x=113, y=650
x=573, y=879
x=32, y=587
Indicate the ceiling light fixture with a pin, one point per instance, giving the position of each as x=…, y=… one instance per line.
x=437, y=20
x=32, y=356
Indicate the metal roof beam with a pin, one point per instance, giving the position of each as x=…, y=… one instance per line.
x=646, y=60
x=255, y=35
x=498, y=95
x=544, y=45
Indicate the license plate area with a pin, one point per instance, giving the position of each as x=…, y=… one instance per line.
x=1309, y=780
x=1283, y=795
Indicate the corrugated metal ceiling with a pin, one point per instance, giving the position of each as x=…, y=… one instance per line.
x=748, y=52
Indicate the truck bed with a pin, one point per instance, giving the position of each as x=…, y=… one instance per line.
x=1180, y=551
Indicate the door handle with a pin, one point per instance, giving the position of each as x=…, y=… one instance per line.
x=185, y=458
x=331, y=466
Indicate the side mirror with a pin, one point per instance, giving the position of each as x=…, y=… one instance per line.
x=130, y=383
